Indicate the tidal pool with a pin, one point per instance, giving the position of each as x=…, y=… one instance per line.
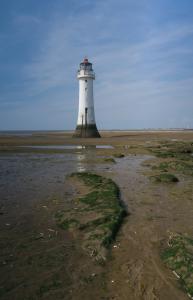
x=55, y=147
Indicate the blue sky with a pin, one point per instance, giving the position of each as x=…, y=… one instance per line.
x=142, y=54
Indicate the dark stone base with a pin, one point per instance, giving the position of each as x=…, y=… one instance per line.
x=86, y=131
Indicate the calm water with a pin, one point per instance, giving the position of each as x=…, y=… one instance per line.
x=55, y=147
x=27, y=177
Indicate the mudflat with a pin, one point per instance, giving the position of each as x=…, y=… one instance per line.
x=53, y=224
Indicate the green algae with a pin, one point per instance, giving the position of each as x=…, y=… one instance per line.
x=177, y=150
x=183, y=167
x=119, y=155
x=99, y=212
x=110, y=160
x=178, y=256
x=165, y=178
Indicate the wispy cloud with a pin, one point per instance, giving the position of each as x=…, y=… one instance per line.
x=25, y=20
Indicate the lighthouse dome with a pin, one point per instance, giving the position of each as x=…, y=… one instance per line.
x=86, y=65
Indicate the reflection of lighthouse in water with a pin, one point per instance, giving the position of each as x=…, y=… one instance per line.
x=86, y=126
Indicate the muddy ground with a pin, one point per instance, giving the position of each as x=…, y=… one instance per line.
x=40, y=260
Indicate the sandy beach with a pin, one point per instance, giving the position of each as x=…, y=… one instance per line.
x=40, y=260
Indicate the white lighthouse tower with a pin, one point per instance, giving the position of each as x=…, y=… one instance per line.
x=86, y=126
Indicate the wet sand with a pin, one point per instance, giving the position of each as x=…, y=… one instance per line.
x=41, y=261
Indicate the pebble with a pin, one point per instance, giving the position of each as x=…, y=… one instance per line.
x=52, y=230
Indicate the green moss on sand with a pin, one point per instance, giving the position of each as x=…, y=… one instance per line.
x=119, y=155
x=179, y=258
x=104, y=198
x=99, y=214
x=109, y=160
x=165, y=178
x=178, y=150
x=65, y=223
x=184, y=167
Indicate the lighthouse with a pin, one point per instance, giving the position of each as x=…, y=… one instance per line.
x=86, y=125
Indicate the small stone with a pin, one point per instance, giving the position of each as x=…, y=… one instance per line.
x=51, y=230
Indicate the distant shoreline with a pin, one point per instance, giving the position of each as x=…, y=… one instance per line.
x=15, y=132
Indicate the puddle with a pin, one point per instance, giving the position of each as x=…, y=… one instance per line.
x=63, y=147
x=104, y=147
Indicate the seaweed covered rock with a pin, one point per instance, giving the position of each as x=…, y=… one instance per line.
x=96, y=215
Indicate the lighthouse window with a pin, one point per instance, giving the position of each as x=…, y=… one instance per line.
x=85, y=80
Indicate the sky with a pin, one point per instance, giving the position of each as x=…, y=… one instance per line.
x=141, y=50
